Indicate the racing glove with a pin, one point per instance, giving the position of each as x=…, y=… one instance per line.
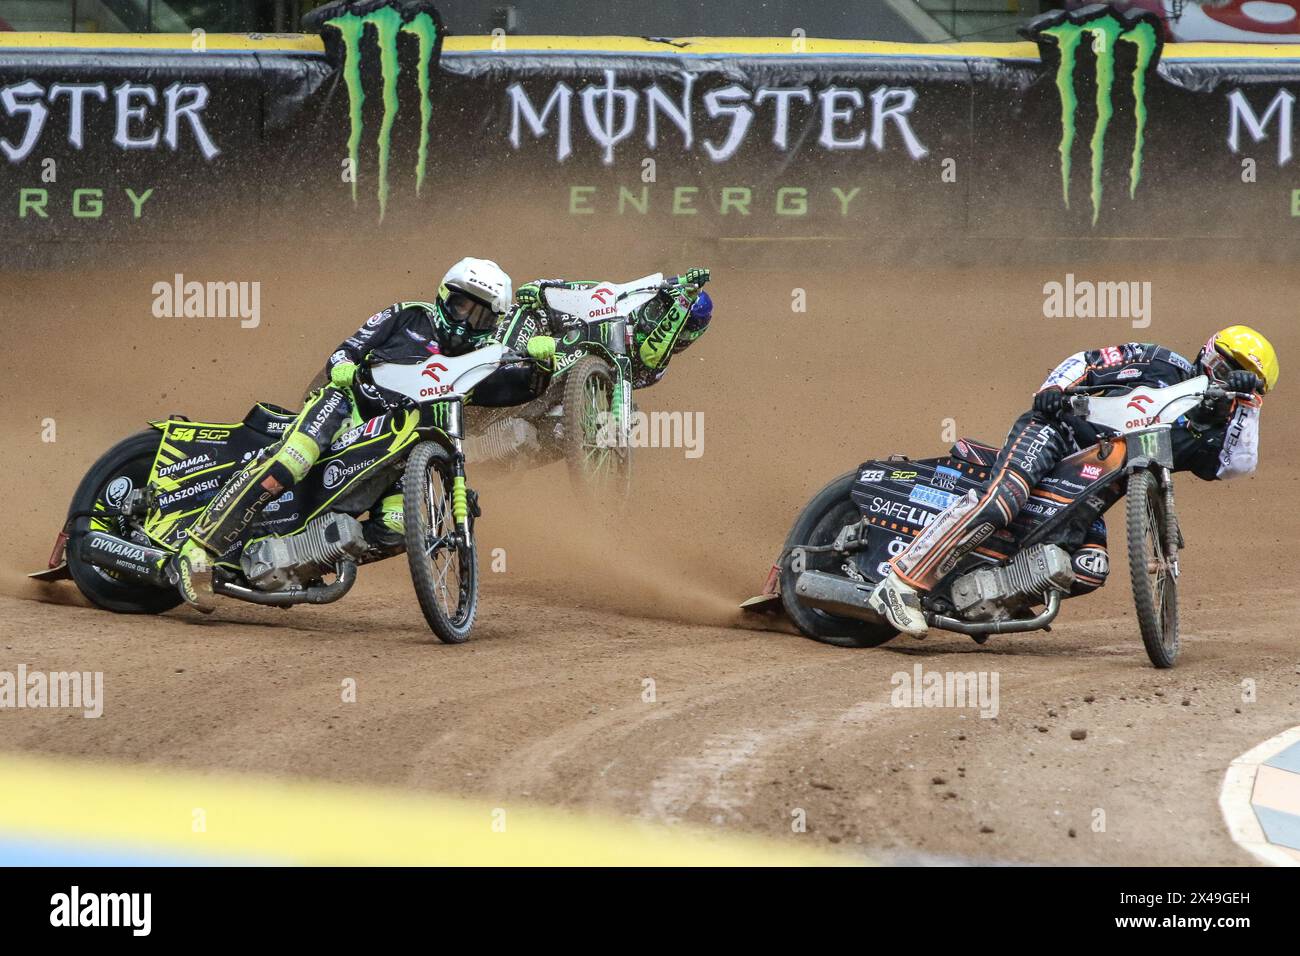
x=529, y=296
x=1244, y=382
x=1049, y=402
x=695, y=277
x=341, y=375
x=541, y=349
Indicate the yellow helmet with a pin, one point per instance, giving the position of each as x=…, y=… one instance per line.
x=1246, y=349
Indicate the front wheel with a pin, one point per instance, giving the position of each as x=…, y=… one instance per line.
x=818, y=524
x=1153, y=566
x=444, y=568
x=597, y=466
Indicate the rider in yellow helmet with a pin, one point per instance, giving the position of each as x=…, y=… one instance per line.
x=1240, y=348
x=1218, y=439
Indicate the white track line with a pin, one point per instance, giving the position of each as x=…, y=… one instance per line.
x=1235, y=802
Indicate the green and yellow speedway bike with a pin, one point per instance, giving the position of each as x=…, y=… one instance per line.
x=131, y=512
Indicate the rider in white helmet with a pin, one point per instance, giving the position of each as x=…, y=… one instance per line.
x=472, y=297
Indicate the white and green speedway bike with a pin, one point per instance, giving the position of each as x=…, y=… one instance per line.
x=131, y=512
x=585, y=416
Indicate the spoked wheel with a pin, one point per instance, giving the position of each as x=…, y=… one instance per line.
x=597, y=466
x=444, y=568
x=818, y=524
x=1153, y=565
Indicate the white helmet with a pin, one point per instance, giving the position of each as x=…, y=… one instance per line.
x=475, y=292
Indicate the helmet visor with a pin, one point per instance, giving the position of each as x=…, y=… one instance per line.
x=468, y=311
x=1216, y=364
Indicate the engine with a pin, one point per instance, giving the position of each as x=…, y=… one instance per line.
x=991, y=594
x=274, y=564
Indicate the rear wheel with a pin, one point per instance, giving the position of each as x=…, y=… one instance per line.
x=597, y=466
x=122, y=469
x=443, y=569
x=818, y=524
x=1153, y=557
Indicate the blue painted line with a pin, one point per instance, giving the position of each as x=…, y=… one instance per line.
x=20, y=851
x=1280, y=828
x=1288, y=759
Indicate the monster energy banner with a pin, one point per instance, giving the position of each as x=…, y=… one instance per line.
x=384, y=125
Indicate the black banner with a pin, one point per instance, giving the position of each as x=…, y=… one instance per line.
x=378, y=128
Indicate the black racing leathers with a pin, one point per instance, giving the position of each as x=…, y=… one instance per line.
x=273, y=471
x=1218, y=447
x=408, y=332
x=405, y=332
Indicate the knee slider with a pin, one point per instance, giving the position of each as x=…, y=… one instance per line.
x=391, y=513
x=297, y=455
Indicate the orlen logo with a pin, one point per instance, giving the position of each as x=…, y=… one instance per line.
x=432, y=370
x=1141, y=404
x=601, y=295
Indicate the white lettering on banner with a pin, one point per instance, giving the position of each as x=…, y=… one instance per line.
x=133, y=105
x=611, y=114
x=1240, y=111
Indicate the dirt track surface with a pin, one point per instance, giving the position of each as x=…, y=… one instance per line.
x=546, y=704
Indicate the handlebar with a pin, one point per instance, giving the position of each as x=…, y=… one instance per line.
x=1213, y=392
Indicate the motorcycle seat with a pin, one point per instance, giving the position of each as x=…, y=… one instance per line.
x=601, y=299
x=575, y=302
x=268, y=419
x=977, y=453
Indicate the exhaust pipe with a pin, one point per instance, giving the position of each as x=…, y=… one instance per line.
x=1013, y=626
x=836, y=595
x=320, y=594
x=137, y=561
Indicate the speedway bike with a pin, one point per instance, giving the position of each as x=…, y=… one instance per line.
x=585, y=416
x=1016, y=579
x=131, y=511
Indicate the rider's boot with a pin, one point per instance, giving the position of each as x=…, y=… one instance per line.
x=900, y=604
x=191, y=570
x=385, y=529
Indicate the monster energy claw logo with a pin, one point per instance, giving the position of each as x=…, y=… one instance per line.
x=1106, y=30
x=387, y=23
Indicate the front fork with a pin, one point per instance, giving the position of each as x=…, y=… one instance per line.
x=460, y=501
x=1173, y=534
x=621, y=402
x=459, y=492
